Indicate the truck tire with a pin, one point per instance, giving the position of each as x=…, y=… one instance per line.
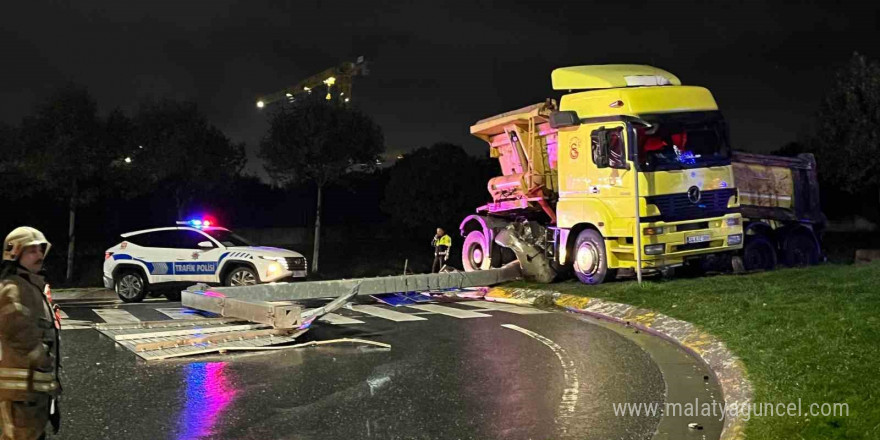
x=590, y=260
x=130, y=285
x=759, y=253
x=241, y=276
x=474, y=255
x=800, y=249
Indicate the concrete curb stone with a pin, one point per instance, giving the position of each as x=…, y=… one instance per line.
x=728, y=369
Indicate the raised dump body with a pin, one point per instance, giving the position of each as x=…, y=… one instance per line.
x=525, y=146
x=779, y=200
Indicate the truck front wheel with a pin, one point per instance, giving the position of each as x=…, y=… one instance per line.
x=474, y=254
x=590, y=258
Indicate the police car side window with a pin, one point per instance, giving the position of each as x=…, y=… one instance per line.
x=160, y=239
x=191, y=239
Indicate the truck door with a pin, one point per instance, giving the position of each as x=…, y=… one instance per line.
x=608, y=166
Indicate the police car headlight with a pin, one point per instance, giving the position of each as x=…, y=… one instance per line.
x=280, y=260
x=273, y=269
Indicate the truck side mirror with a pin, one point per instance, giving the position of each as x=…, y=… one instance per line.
x=599, y=144
x=560, y=119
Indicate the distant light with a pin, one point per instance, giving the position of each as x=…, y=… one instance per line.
x=141, y=147
x=127, y=160
x=261, y=104
x=346, y=99
x=289, y=95
x=341, y=93
x=399, y=156
x=330, y=81
x=328, y=97
x=306, y=89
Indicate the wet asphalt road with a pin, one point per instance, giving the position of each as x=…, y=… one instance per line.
x=443, y=378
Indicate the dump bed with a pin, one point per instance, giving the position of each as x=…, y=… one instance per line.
x=778, y=188
x=525, y=147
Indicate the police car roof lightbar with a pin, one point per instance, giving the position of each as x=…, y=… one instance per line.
x=196, y=223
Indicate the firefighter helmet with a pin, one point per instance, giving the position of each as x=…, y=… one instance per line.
x=21, y=238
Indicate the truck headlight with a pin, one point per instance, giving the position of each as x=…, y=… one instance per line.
x=654, y=249
x=734, y=239
x=735, y=221
x=654, y=231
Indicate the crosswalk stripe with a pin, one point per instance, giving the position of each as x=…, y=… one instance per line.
x=179, y=313
x=502, y=307
x=332, y=318
x=62, y=314
x=115, y=316
x=385, y=313
x=449, y=311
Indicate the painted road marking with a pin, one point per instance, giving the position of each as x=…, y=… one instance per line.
x=179, y=313
x=449, y=311
x=502, y=307
x=115, y=316
x=333, y=318
x=569, y=372
x=72, y=324
x=385, y=313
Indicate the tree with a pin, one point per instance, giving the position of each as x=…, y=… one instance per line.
x=846, y=138
x=438, y=185
x=317, y=141
x=65, y=153
x=181, y=152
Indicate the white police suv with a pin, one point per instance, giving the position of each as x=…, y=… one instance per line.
x=168, y=259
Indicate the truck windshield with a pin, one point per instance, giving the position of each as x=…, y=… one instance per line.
x=227, y=238
x=682, y=140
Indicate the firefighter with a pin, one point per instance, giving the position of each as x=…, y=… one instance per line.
x=442, y=246
x=29, y=340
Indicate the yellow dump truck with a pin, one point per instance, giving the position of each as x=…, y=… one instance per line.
x=779, y=199
x=632, y=170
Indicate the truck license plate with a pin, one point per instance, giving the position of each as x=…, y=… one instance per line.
x=698, y=238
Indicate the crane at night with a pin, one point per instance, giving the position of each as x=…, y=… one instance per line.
x=336, y=81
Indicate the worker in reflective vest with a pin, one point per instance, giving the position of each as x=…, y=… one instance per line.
x=29, y=340
x=442, y=246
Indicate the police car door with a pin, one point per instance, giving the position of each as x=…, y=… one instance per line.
x=197, y=260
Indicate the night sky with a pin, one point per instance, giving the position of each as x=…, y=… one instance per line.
x=435, y=67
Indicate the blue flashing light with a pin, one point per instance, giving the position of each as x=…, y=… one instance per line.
x=199, y=223
x=724, y=184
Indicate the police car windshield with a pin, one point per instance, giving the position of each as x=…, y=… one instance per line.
x=227, y=238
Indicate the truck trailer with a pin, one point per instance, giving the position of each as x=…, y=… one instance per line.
x=782, y=218
x=631, y=170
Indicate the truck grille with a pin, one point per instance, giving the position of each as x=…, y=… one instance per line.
x=295, y=263
x=676, y=207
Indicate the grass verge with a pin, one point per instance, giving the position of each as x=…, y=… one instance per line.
x=811, y=334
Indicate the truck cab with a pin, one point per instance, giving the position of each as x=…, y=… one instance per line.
x=632, y=170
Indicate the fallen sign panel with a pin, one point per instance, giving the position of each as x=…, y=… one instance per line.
x=155, y=340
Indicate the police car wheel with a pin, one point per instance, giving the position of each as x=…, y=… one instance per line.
x=241, y=276
x=130, y=286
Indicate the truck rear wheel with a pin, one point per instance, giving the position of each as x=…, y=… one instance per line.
x=800, y=249
x=590, y=257
x=474, y=254
x=759, y=254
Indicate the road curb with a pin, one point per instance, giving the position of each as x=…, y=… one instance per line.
x=82, y=294
x=728, y=369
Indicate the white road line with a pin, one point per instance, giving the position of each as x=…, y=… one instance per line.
x=502, y=307
x=72, y=324
x=115, y=316
x=179, y=313
x=332, y=318
x=569, y=371
x=449, y=311
x=385, y=313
